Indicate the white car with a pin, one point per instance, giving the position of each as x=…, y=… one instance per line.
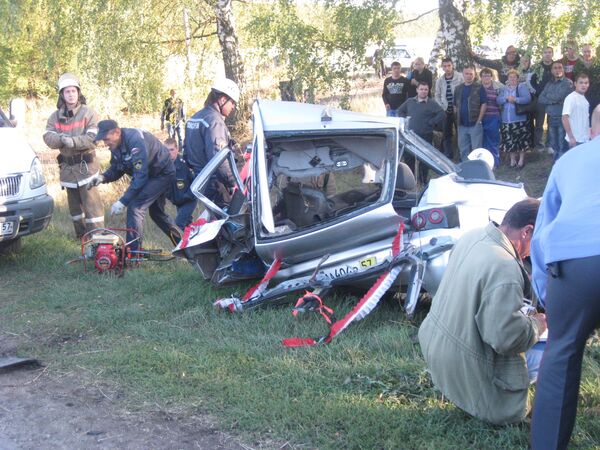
x=400, y=53
x=25, y=206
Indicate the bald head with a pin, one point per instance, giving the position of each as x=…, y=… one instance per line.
x=596, y=122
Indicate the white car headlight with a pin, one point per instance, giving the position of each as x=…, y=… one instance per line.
x=36, y=175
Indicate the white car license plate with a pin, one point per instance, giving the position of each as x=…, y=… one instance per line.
x=7, y=228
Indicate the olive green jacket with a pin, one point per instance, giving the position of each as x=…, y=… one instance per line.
x=475, y=336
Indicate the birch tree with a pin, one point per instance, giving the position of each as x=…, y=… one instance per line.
x=232, y=60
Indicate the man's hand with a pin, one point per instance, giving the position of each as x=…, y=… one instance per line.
x=117, y=208
x=162, y=126
x=540, y=319
x=414, y=82
x=67, y=141
x=572, y=142
x=95, y=181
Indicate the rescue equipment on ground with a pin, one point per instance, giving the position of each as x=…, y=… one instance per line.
x=109, y=251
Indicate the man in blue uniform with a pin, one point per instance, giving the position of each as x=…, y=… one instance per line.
x=180, y=194
x=142, y=156
x=206, y=134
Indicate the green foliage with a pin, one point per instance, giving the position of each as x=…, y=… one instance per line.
x=320, y=44
x=538, y=22
x=119, y=47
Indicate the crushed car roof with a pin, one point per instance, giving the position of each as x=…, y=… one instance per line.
x=280, y=116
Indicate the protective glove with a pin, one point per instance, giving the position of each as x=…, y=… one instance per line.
x=67, y=141
x=95, y=181
x=117, y=208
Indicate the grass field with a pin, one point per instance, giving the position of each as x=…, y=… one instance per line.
x=155, y=336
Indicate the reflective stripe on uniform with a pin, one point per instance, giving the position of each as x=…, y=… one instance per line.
x=79, y=183
x=87, y=180
x=78, y=217
x=202, y=121
x=95, y=220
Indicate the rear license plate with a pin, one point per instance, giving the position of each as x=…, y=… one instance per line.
x=7, y=228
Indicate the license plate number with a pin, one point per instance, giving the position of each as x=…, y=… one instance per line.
x=6, y=228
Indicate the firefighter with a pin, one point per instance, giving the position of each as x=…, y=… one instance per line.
x=206, y=134
x=180, y=194
x=139, y=154
x=71, y=129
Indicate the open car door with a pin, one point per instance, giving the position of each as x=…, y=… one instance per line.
x=219, y=244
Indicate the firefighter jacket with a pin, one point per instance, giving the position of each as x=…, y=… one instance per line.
x=78, y=164
x=180, y=192
x=140, y=155
x=205, y=135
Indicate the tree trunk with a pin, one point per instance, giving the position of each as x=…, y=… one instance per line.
x=232, y=60
x=454, y=39
x=189, y=71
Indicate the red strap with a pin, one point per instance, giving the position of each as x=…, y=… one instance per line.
x=299, y=342
x=322, y=308
x=270, y=274
x=397, y=242
x=186, y=234
x=339, y=325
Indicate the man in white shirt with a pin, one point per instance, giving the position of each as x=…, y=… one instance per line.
x=575, y=113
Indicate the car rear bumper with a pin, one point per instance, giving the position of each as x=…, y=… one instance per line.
x=27, y=217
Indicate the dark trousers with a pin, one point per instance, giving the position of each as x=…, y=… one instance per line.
x=573, y=312
x=491, y=137
x=449, y=127
x=151, y=198
x=540, y=118
x=185, y=213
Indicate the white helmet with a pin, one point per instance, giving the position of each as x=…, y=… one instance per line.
x=227, y=87
x=484, y=154
x=66, y=80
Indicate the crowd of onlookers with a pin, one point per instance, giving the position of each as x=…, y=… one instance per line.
x=503, y=107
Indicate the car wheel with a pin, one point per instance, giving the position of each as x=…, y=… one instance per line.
x=11, y=247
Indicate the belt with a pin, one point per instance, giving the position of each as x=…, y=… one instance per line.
x=72, y=160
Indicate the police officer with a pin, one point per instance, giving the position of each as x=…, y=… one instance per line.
x=139, y=154
x=71, y=129
x=180, y=194
x=206, y=134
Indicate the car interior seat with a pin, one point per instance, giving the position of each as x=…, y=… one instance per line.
x=475, y=169
x=405, y=192
x=304, y=205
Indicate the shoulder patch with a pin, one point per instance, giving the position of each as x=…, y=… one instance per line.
x=180, y=184
x=137, y=165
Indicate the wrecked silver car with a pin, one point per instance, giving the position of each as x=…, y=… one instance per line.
x=322, y=198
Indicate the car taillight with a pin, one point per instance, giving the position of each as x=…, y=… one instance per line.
x=430, y=219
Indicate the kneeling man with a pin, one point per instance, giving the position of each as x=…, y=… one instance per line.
x=475, y=337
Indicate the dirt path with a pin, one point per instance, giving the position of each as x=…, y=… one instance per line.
x=39, y=411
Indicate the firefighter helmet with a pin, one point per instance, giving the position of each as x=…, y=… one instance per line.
x=227, y=87
x=66, y=80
